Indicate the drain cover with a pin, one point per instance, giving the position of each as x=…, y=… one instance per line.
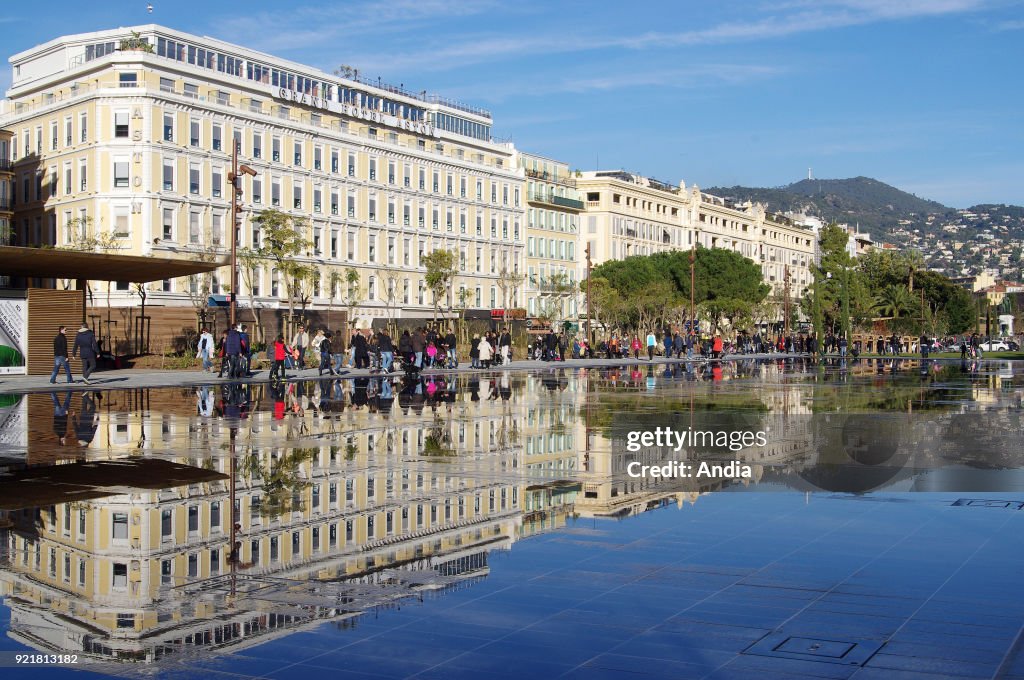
x=989, y=503
x=783, y=645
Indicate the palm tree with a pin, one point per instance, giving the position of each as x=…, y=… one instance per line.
x=915, y=262
x=894, y=300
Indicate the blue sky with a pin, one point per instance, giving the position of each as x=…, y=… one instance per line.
x=923, y=94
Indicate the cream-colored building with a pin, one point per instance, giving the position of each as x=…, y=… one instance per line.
x=628, y=215
x=6, y=188
x=126, y=135
x=553, y=257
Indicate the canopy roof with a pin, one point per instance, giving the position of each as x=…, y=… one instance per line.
x=49, y=263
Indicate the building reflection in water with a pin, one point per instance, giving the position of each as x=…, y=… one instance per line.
x=172, y=523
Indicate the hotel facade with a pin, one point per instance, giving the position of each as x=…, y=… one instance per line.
x=122, y=140
x=627, y=214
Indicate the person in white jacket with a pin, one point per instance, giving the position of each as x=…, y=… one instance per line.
x=486, y=352
x=205, y=351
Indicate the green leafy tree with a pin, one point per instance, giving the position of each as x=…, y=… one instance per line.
x=284, y=238
x=894, y=301
x=722, y=277
x=440, y=265
x=250, y=264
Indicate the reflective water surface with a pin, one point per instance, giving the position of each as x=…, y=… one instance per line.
x=488, y=524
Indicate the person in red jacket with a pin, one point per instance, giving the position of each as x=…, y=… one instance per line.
x=280, y=352
x=716, y=346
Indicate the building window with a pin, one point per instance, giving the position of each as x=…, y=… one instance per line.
x=120, y=124
x=168, y=175
x=121, y=174
x=166, y=524
x=120, y=579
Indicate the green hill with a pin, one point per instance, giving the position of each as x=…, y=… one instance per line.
x=875, y=206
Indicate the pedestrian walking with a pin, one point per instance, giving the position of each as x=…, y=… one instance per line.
x=299, y=344
x=60, y=355
x=324, y=347
x=205, y=350
x=652, y=343
x=280, y=352
x=486, y=352
x=387, y=350
x=86, y=347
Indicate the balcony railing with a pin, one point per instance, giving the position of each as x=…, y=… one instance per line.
x=553, y=199
x=554, y=178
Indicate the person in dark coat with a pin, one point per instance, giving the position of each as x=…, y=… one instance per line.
x=450, y=342
x=419, y=343
x=233, y=353
x=60, y=416
x=86, y=347
x=405, y=346
x=474, y=352
x=60, y=355
x=88, y=419
x=386, y=349
x=325, y=355
x=362, y=350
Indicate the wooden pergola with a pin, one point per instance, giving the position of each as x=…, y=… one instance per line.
x=51, y=263
x=48, y=307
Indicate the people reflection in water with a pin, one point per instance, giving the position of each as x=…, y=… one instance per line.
x=88, y=419
x=61, y=410
x=204, y=401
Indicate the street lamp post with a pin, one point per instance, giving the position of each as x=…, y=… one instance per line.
x=590, y=338
x=693, y=263
x=236, y=207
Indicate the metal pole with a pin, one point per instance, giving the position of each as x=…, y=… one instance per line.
x=785, y=307
x=234, y=234
x=590, y=338
x=693, y=261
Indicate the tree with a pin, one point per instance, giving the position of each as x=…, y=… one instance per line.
x=250, y=264
x=894, y=301
x=350, y=282
x=389, y=278
x=914, y=262
x=284, y=237
x=554, y=293
x=304, y=279
x=440, y=266
x=721, y=276
x=508, y=283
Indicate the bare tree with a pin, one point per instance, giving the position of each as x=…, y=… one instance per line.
x=390, y=277
x=508, y=283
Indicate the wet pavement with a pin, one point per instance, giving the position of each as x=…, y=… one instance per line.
x=492, y=524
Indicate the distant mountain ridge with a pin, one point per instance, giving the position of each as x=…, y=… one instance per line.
x=875, y=206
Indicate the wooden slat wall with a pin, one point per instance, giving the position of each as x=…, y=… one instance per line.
x=48, y=309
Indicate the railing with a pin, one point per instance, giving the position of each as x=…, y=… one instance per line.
x=553, y=199
x=551, y=177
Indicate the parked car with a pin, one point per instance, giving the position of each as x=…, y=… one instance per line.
x=994, y=346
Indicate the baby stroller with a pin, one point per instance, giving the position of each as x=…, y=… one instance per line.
x=445, y=358
x=406, y=362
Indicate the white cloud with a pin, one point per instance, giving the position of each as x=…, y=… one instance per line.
x=779, y=21
x=335, y=25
